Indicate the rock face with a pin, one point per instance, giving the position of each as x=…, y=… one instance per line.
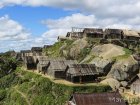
x=104, y=64
x=108, y=51
x=124, y=69
x=113, y=83
x=77, y=46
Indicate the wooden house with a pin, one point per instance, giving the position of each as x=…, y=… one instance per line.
x=42, y=63
x=74, y=35
x=57, y=68
x=80, y=73
x=25, y=53
x=29, y=63
x=112, y=98
x=93, y=33
x=135, y=84
x=37, y=51
x=42, y=66
x=131, y=35
x=113, y=34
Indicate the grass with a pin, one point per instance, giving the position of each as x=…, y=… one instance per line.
x=125, y=56
x=40, y=90
x=54, y=51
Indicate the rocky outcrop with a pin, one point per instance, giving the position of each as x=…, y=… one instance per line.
x=113, y=83
x=104, y=64
x=107, y=51
x=77, y=46
x=124, y=69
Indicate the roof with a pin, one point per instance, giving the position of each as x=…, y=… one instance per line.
x=60, y=65
x=82, y=69
x=36, y=49
x=25, y=51
x=113, y=31
x=93, y=30
x=130, y=33
x=98, y=99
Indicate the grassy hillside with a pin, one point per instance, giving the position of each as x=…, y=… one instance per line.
x=27, y=88
x=63, y=49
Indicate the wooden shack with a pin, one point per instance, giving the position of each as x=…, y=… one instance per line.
x=113, y=34
x=37, y=51
x=29, y=63
x=74, y=35
x=80, y=73
x=25, y=53
x=57, y=68
x=93, y=33
x=42, y=63
x=135, y=84
x=131, y=35
x=110, y=98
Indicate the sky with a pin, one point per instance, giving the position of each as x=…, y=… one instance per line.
x=28, y=23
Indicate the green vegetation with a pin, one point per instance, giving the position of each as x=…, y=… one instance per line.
x=83, y=53
x=54, y=50
x=23, y=88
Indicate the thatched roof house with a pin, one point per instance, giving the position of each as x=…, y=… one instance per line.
x=29, y=63
x=74, y=35
x=131, y=35
x=82, y=73
x=93, y=32
x=25, y=53
x=113, y=34
x=37, y=51
x=112, y=98
x=57, y=67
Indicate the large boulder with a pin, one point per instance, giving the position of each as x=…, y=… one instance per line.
x=113, y=83
x=104, y=64
x=124, y=69
x=77, y=46
x=107, y=51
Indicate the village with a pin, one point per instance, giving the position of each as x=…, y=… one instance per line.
x=80, y=73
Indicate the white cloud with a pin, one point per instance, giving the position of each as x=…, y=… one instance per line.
x=107, y=8
x=12, y=30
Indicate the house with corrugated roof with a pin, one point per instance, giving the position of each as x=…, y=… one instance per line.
x=110, y=98
x=113, y=34
x=93, y=33
x=37, y=51
x=29, y=63
x=80, y=73
x=57, y=68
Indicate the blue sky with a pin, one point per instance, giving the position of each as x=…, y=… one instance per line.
x=28, y=23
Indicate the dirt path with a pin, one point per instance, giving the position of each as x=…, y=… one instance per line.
x=23, y=95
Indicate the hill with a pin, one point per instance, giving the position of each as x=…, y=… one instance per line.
x=27, y=88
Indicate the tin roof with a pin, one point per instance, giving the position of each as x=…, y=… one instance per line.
x=60, y=65
x=82, y=69
x=93, y=30
x=112, y=98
